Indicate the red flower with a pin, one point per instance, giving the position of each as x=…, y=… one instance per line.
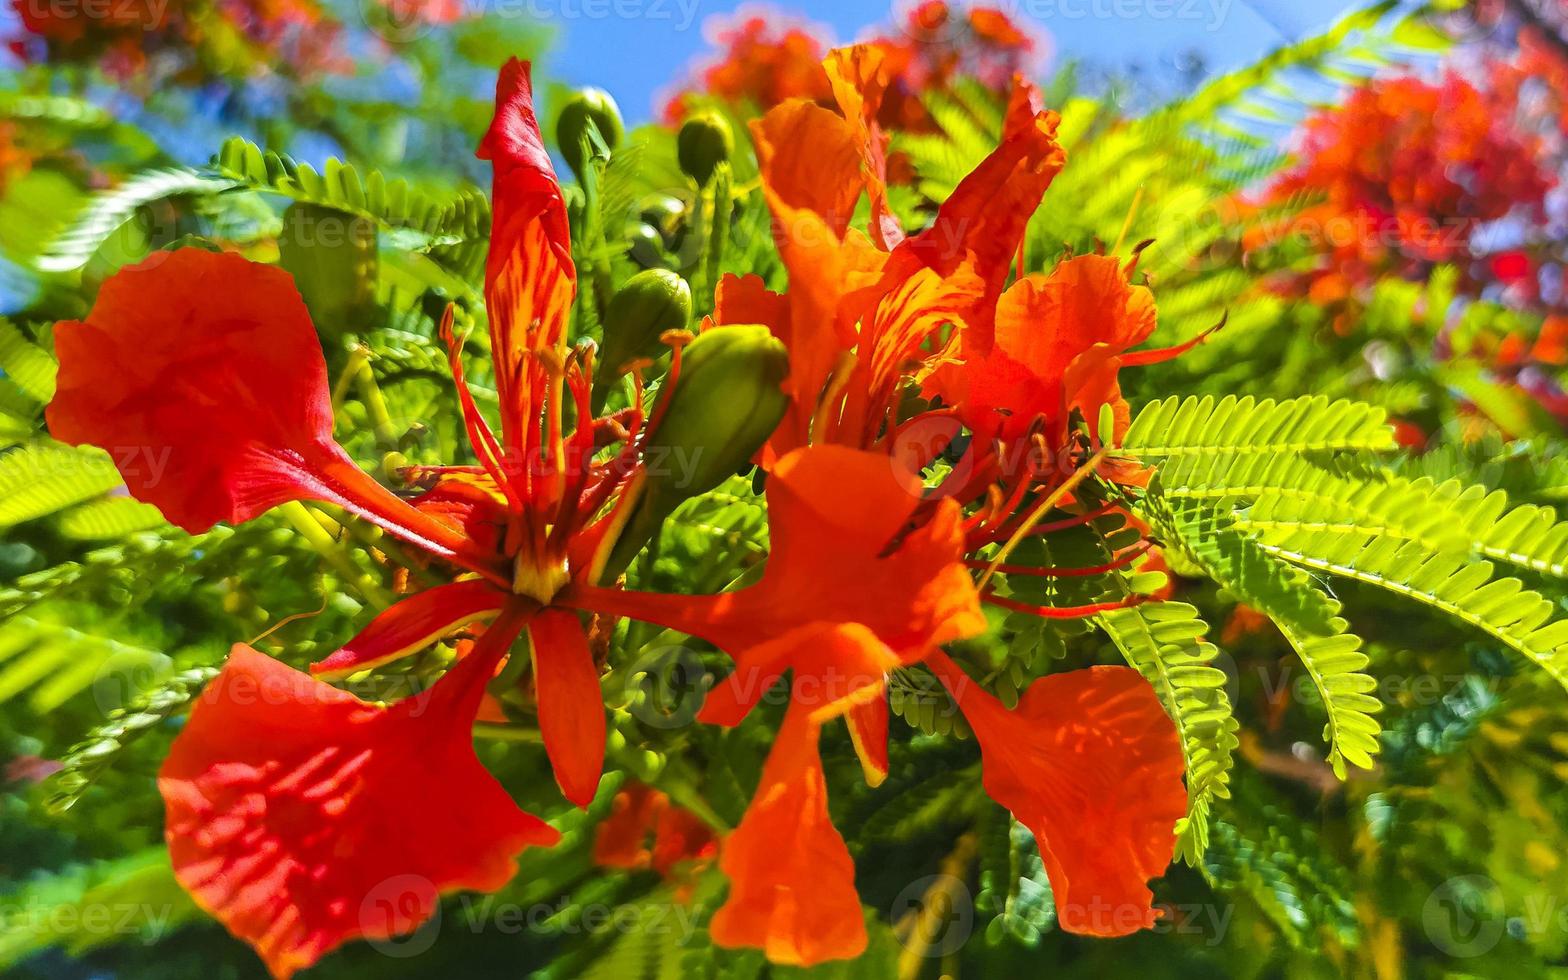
x=1406, y=171
x=203, y=374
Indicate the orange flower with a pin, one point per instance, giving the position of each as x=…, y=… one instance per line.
x=764, y=56
x=880, y=299
x=1405, y=172
x=296, y=34
x=1059, y=340
x=841, y=605
x=877, y=575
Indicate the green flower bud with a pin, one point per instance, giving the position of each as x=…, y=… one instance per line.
x=586, y=104
x=650, y=303
x=724, y=405
x=332, y=257
x=645, y=245
x=705, y=141
x=666, y=214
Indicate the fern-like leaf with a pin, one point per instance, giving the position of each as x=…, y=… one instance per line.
x=1165, y=642
x=1338, y=671
x=27, y=365
x=110, y=209
x=1453, y=584
x=46, y=478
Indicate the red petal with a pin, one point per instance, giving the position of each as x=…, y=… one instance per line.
x=412, y=624
x=302, y=817
x=529, y=276
x=1091, y=764
x=792, y=881
x=621, y=840
x=680, y=835
x=571, y=707
x=983, y=221
x=202, y=376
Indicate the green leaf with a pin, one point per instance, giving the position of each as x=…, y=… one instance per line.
x=1165, y=642
x=27, y=365
x=46, y=478
x=114, y=517
x=110, y=209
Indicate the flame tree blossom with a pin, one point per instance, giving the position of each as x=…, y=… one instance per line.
x=866, y=315
x=288, y=800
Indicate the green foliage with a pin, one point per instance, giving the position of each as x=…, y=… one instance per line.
x=107, y=211
x=447, y=219
x=1165, y=642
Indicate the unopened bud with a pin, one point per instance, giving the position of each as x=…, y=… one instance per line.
x=666, y=214
x=586, y=104
x=650, y=303
x=704, y=142
x=645, y=245
x=724, y=404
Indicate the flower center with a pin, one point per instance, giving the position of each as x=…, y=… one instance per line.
x=539, y=578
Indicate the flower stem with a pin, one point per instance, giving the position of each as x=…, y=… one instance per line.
x=318, y=537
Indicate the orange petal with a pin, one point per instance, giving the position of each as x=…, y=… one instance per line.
x=810, y=168
x=746, y=299
x=839, y=573
x=837, y=668
x=792, y=881
x=571, y=707
x=1057, y=340
x=412, y=624
x=859, y=77
x=1091, y=764
x=868, y=732
x=302, y=817
x=809, y=164
x=984, y=219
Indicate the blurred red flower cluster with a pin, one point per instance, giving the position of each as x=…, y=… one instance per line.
x=1404, y=174
x=764, y=56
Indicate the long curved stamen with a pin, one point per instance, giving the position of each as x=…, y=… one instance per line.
x=1121, y=561
x=1062, y=612
x=486, y=446
x=1160, y=355
x=1044, y=507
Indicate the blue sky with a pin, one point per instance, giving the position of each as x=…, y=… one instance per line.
x=634, y=48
